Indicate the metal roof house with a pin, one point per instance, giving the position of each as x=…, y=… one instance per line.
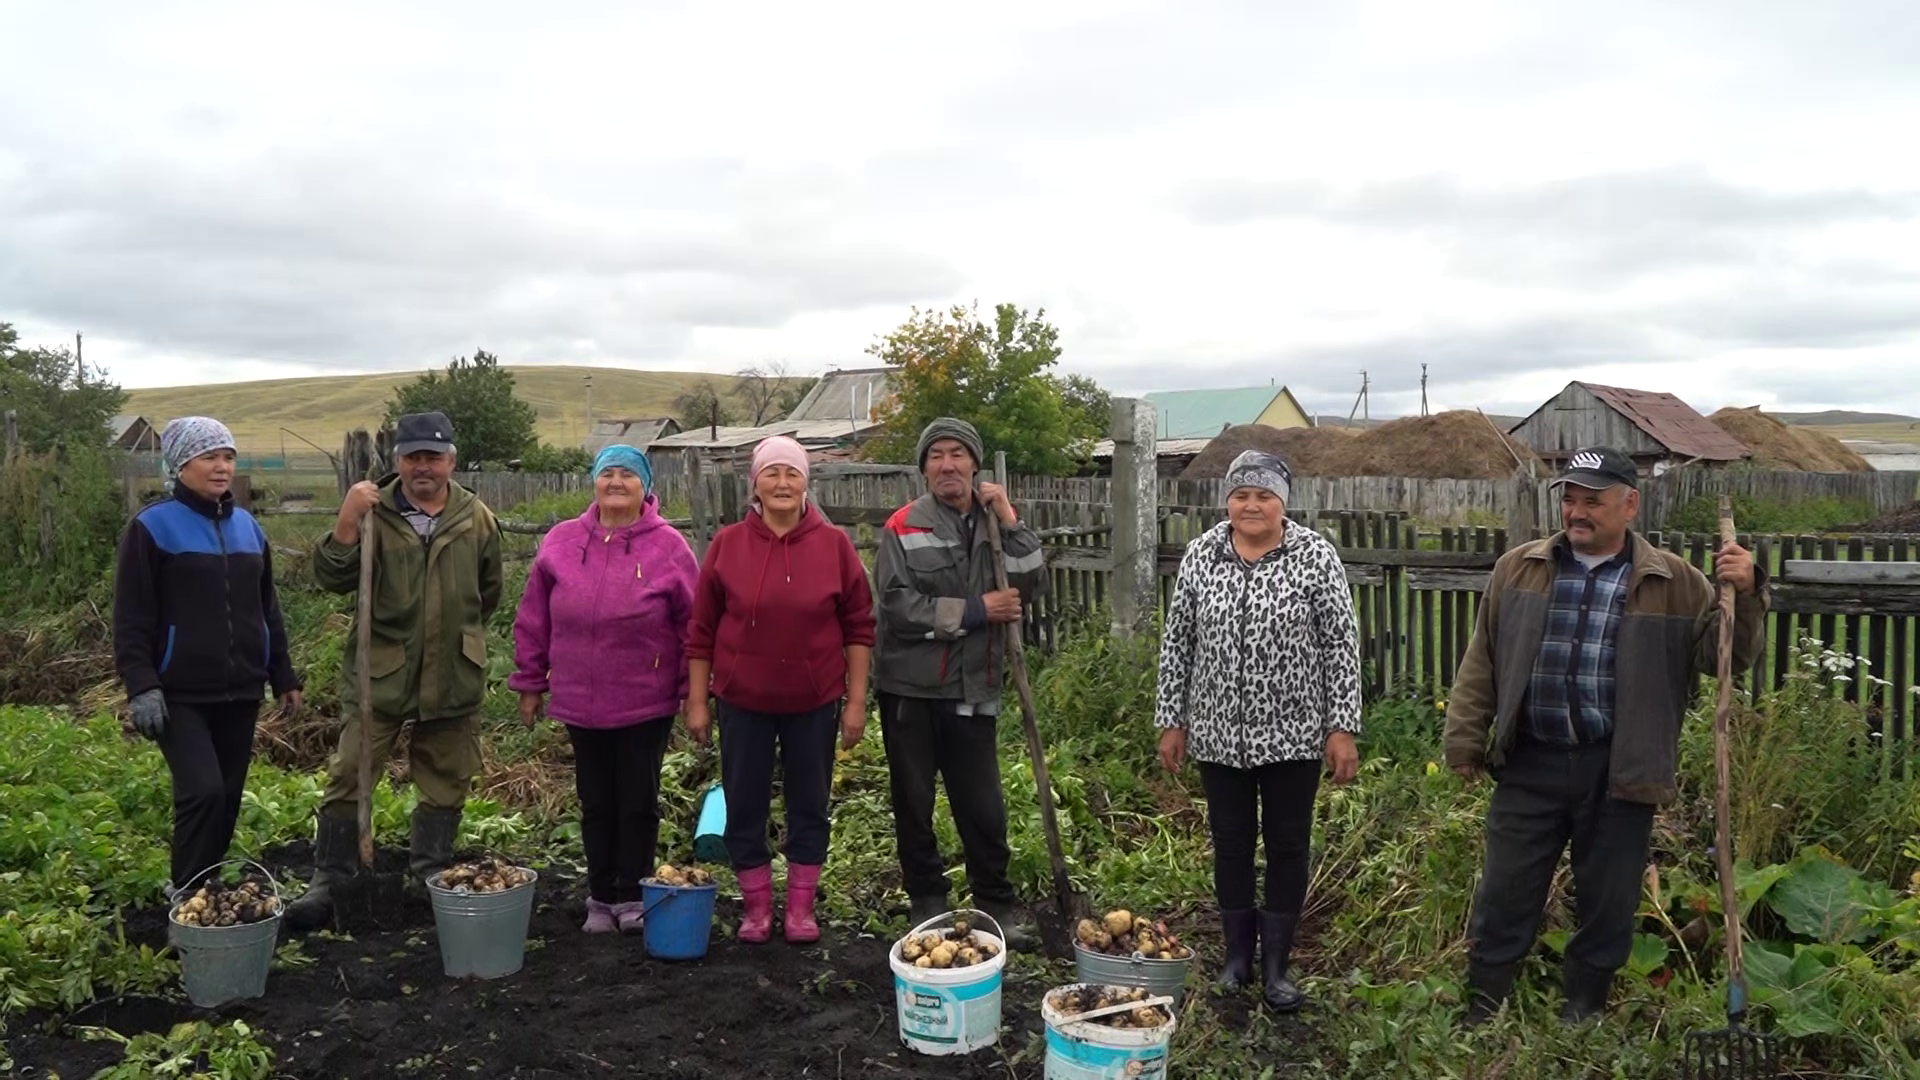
x=133, y=434
x=1202, y=414
x=847, y=398
x=1656, y=429
x=639, y=432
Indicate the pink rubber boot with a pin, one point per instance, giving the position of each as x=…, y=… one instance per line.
x=803, y=883
x=756, y=889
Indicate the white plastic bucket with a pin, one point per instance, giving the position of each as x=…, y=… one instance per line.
x=945, y=1011
x=1091, y=1051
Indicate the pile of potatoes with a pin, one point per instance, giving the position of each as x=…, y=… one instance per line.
x=1122, y=933
x=1073, y=1000
x=219, y=905
x=957, y=948
x=484, y=876
x=669, y=874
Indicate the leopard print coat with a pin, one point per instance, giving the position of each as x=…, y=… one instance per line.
x=1260, y=662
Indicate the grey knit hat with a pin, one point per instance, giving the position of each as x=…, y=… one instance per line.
x=1259, y=469
x=947, y=427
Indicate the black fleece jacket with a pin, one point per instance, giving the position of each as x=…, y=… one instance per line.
x=195, y=612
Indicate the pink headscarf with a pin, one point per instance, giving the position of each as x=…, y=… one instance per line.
x=777, y=450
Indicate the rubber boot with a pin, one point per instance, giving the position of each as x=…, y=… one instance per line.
x=1586, y=989
x=756, y=891
x=803, y=884
x=1276, y=949
x=435, y=829
x=923, y=908
x=1487, y=990
x=1239, y=927
x=335, y=846
x=1020, y=933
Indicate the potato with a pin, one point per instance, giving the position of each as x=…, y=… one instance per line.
x=990, y=949
x=967, y=957
x=924, y=962
x=961, y=928
x=943, y=954
x=1118, y=922
x=910, y=950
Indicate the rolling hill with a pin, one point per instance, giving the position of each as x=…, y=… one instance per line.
x=324, y=408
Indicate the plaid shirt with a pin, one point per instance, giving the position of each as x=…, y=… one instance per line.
x=1570, y=697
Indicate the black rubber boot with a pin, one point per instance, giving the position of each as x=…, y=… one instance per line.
x=1240, y=928
x=1586, y=989
x=1487, y=990
x=1021, y=935
x=434, y=832
x=335, y=845
x=1276, y=948
x=926, y=907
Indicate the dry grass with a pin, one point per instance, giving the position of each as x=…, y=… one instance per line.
x=325, y=408
x=1778, y=446
x=1458, y=444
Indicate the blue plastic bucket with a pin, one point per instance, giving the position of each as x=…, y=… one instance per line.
x=943, y=1011
x=1084, y=1050
x=710, y=834
x=678, y=919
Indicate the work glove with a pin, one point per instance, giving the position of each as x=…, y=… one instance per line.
x=150, y=714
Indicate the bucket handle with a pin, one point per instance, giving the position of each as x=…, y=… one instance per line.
x=1108, y=1010
x=201, y=877
x=940, y=918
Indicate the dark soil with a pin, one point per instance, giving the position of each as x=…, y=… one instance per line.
x=1906, y=519
x=374, y=1002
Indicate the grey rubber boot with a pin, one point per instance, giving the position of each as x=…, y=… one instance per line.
x=335, y=844
x=434, y=832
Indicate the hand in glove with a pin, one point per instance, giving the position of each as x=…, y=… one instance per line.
x=150, y=714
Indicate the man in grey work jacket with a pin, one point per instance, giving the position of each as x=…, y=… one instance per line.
x=940, y=666
x=1589, y=648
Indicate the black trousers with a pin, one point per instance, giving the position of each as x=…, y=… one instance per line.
x=1546, y=796
x=616, y=772
x=208, y=747
x=802, y=744
x=1274, y=803
x=926, y=738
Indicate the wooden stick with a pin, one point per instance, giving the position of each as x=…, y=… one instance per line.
x=1722, y=809
x=1017, y=664
x=369, y=545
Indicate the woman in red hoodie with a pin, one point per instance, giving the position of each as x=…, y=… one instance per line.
x=782, y=633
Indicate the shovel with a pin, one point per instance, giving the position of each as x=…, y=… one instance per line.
x=1071, y=905
x=1734, y=1052
x=369, y=545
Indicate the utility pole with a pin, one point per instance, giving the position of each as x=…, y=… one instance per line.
x=1359, y=403
x=1423, y=389
x=79, y=363
x=589, y=382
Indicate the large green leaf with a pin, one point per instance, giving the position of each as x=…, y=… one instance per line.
x=1821, y=899
x=1796, y=989
x=1649, y=954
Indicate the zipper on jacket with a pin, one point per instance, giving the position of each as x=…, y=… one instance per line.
x=226, y=580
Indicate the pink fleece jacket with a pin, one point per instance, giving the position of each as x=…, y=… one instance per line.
x=603, y=624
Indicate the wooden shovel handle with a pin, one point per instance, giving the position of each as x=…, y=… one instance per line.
x=363, y=625
x=1723, y=768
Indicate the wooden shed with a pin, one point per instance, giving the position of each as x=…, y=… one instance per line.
x=1657, y=429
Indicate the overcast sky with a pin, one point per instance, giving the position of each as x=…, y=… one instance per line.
x=1723, y=196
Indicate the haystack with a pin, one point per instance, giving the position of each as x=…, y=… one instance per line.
x=1777, y=446
x=1307, y=451
x=1460, y=445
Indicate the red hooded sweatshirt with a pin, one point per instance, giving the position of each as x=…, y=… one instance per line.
x=773, y=614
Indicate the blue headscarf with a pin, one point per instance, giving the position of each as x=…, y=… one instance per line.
x=626, y=457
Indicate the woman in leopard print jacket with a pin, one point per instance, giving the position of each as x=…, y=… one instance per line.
x=1259, y=684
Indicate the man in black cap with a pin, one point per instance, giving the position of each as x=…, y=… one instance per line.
x=940, y=668
x=1589, y=648
x=437, y=578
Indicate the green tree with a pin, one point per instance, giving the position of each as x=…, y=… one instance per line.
x=58, y=401
x=702, y=405
x=768, y=392
x=997, y=376
x=490, y=422
x=1090, y=401
x=548, y=458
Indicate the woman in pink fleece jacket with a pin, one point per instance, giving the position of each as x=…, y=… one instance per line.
x=603, y=629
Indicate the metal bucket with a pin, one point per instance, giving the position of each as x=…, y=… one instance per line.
x=482, y=935
x=1168, y=977
x=219, y=964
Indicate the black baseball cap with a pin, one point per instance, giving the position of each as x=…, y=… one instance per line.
x=1599, y=467
x=428, y=431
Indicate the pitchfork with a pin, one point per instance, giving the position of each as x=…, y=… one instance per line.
x=1734, y=1052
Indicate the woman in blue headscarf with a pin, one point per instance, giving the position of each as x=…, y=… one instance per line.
x=194, y=670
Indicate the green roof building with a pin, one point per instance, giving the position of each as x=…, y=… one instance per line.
x=1202, y=414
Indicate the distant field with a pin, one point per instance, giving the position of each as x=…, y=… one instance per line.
x=324, y=409
x=1885, y=431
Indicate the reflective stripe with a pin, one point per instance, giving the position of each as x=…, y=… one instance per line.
x=1028, y=563
x=913, y=540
